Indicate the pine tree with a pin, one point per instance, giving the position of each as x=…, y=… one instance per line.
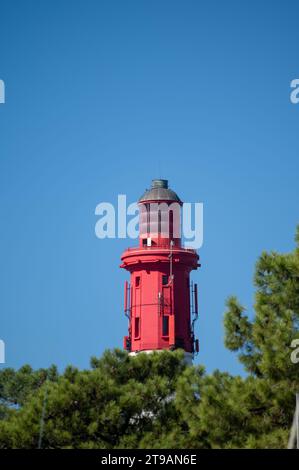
x=156, y=401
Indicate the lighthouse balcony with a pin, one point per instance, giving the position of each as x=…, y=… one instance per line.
x=155, y=254
x=160, y=248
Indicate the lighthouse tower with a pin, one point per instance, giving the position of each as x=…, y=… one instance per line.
x=160, y=301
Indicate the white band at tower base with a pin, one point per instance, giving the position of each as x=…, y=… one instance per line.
x=188, y=357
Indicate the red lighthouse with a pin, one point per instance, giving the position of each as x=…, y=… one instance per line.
x=160, y=302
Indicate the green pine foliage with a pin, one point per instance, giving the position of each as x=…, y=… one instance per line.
x=156, y=401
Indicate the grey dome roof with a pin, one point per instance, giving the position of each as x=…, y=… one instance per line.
x=159, y=192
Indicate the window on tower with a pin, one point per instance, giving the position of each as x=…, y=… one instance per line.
x=164, y=280
x=165, y=325
x=137, y=327
x=159, y=221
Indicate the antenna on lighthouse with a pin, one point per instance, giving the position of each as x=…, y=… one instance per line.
x=170, y=261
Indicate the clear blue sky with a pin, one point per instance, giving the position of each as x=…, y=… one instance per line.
x=103, y=96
